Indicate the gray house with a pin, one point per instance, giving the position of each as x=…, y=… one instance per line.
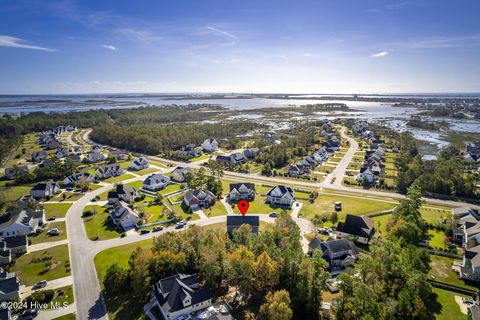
x=122, y=192
x=9, y=286
x=44, y=190
x=241, y=191
x=235, y=221
x=339, y=253
x=15, y=171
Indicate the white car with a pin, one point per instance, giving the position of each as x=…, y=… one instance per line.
x=185, y=317
x=53, y=232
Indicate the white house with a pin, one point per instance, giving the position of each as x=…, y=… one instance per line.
x=21, y=222
x=180, y=295
x=95, y=156
x=210, y=145
x=366, y=173
x=123, y=216
x=78, y=177
x=280, y=196
x=155, y=182
x=61, y=153
x=44, y=190
x=122, y=192
x=241, y=191
x=108, y=171
x=180, y=174
x=139, y=164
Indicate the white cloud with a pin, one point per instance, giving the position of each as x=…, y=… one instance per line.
x=379, y=54
x=12, y=42
x=221, y=32
x=109, y=47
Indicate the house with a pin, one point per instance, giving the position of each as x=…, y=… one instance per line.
x=473, y=150
x=280, y=196
x=367, y=174
x=241, y=191
x=15, y=171
x=96, y=148
x=339, y=253
x=75, y=158
x=79, y=177
x=108, y=171
x=46, y=163
x=180, y=174
x=123, y=216
x=17, y=245
x=122, y=192
x=197, y=199
x=233, y=159
x=61, y=153
x=251, y=153
x=235, y=221
x=52, y=145
x=139, y=164
x=180, y=294
x=210, y=145
x=191, y=150
x=5, y=253
x=44, y=190
x=359, y=227
x=271, y=135
x=155, y=182
x=38, y=156
x=21, y=222
x=95, y=156
x=9, y=286
x=77, y=150
x=116, y=154
x=299, y=170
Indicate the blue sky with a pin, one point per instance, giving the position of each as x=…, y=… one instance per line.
x=239, y=46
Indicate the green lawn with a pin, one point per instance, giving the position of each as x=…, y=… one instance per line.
x=203, y=157
x=433, y=213
x=218, y=209
x=441, y=270
x=146, y=171
x=120, y=255
x=449, y=308
x=136, y=184
x=335, y=160
x=63, y=295
x=325, y=204
x=69, y=196
x=185, y=215
x=49, y=264
x=170, y=188
x=44, y=237
x=119, y=178
x=159, y=164
x=381, y=223
x=15, y=192
x=97, y=227
x=58, y=210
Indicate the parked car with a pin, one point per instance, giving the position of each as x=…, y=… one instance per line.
x=159, y=228
x=185, y=317
x=40, y=284
x=51, y=218
x=179, y=225
x=144, y=231
x=123, y=235
x=53, y=232
x=272, y=214
x=29, y=314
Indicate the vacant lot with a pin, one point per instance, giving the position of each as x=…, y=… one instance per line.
x=97, y=227
x=58, y=210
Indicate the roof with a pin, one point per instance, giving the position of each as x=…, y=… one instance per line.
x=283, y=190
x=120, y=210
x=193, y=196
x=8, y=283
x=17, y=216
x=236, y=186
x=361, y=226
x=171, y=291
x=340, y=245
x=232, y=221
x=17, y=241
x=315, y=243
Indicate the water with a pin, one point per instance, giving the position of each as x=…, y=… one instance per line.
x=378, y=112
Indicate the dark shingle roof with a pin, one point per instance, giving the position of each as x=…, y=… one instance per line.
x=254, y=221
x=354, y=225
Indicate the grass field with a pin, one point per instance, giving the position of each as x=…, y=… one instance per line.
x=449, y=308
x=218, y=209
x=49, y=264
x=441, y=270
x=145, y=171
x=97, y=227
x=202, y=157
x=63, y=295
x=44, y=237
x=170, y=188
x=69, y=196
x=136, y=184
x=119, y=178
x=58, y=210
x=325, y=204
x=15, y=192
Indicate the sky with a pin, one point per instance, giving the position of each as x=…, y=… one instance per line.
x=262, y=46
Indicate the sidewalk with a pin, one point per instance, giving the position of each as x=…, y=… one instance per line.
x=46, y=245
x=52, y=284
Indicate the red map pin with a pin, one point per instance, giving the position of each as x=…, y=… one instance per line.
x=243, y=206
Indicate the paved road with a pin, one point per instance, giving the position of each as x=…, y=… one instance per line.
x=46, y=245
x=341, y=167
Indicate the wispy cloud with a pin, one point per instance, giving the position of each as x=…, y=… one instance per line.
x=221, y=32
x=440, y=42
x=12, y=42
x=137, y=35
x=379, y=54
x=109, y=47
